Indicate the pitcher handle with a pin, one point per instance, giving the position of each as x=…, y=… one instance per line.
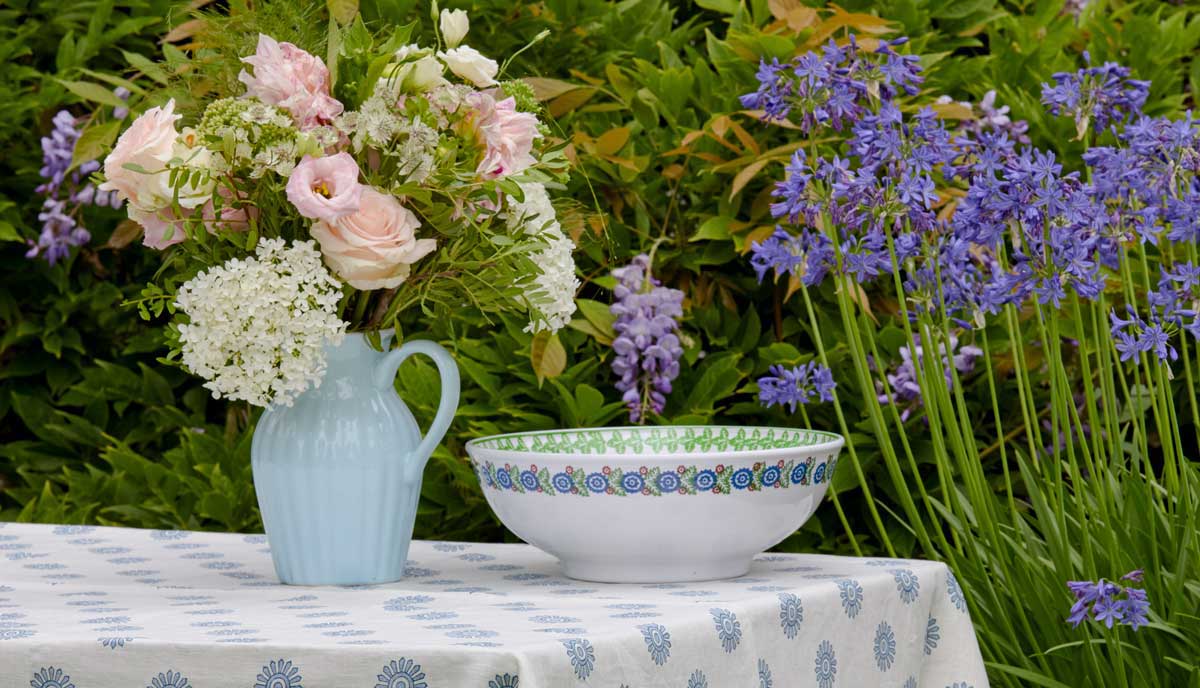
x=385, y=377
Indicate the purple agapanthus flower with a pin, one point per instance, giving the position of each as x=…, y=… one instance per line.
x=904, y=380
x=797, y=385
x=647, y=343
x=1101, y=95
x=1109, y=603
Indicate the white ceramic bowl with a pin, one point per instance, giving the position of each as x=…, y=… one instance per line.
x=655, y=504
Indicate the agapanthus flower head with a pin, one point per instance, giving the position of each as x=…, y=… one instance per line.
x=797, y=385
x=1109, y=603
x=257, y=327
x=904, y=381
x=647, y=342
x=1101, y=95
x=832, y=87
x=809, y=255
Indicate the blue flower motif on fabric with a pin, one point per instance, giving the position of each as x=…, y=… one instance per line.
x=698, y=680
x=932, y=635
x=742, y=478
x=825, y=665
x=960, y=684
x=907, y=584
x=668, y=481
x=705, y=480
x=562, y=482
x=504, y=479
x=171, y=679
x=49, y=677
x=114, y=643
x=407, y=603
x=597, y=482
x=163, y=535
x=504, y=681
x=449, y=547
x=401, y=673
x=729, y=630
x=791, y=614
x=956, y=592
x=658, y=642
x=911, y=682
x=583, y=658
x=278, y=674
x=771, y=475
x=885, y=646
x=529, y=481
x=72, y=530
x=852, y=596
x=15, y=633
x=764, y=675
x=632, y=482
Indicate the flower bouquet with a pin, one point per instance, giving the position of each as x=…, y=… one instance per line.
x=303, y=200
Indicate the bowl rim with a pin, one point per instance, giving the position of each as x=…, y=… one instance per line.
x=832, y=442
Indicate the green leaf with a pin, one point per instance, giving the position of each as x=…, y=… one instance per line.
x=598, y=315
x=722, y=6
x=94, y=141
x=714, y=228
x=547, y=355
x=8, y=232
x=92, y=92
x=146, y=66
x=343, y=11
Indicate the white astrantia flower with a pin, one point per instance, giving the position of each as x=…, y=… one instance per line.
x=258, y=326
x=551, y=293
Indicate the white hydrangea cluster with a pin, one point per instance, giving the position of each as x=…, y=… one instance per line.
x=258, y=327
x=551, y=293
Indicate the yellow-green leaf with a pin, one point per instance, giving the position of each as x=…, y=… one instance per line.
x=342, y=11
x=742, y=178
x=94, y=141
x=612, y=140
x=547, y=355
x=547, y=89
x=93, y=92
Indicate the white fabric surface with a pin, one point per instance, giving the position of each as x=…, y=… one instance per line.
x=84, y=607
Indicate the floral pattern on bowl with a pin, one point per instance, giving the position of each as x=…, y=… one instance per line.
x=763, y=484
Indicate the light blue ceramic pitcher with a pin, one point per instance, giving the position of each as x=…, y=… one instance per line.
x=338, y=474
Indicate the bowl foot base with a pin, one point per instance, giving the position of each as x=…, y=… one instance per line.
x=598, y=571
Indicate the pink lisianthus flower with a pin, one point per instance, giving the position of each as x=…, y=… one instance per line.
x=375, y=247
x=506, y=133
x=290, y=78
x=325, y=188
x=160, y=228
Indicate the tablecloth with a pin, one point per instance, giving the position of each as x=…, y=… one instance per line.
x=90, y=607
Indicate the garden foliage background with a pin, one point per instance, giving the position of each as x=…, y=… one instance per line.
x=93, y=429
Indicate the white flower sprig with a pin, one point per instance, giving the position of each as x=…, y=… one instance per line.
x=550, y=293
x=258, y=326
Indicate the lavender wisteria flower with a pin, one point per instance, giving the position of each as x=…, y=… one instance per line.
x=1110, y=603
x=797, y=385
x=904, y=380
x=66, y=190
x=647, y=344
x=1103, y=95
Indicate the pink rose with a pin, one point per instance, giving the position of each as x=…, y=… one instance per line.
x=506, y=133
x=325, y=188
x=292, y=79
x=148, y=143
x=157, y=225
x=375, y=247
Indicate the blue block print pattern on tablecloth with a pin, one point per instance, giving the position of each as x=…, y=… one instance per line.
x=960, y=684
x=583, y=658
x=729, y=630
x=401, y=673
x=932, y=635
x=114, y=642
x=956, y=592
x=825, y=665
x=907, y=585
x=504, y=681
x=764, y=675
x=279, y=674
x=885, y=646
x=698, y=680
x=791, y=614
x=50, y=677
x=170, y=679
x=658, y=642
x=911, y=682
